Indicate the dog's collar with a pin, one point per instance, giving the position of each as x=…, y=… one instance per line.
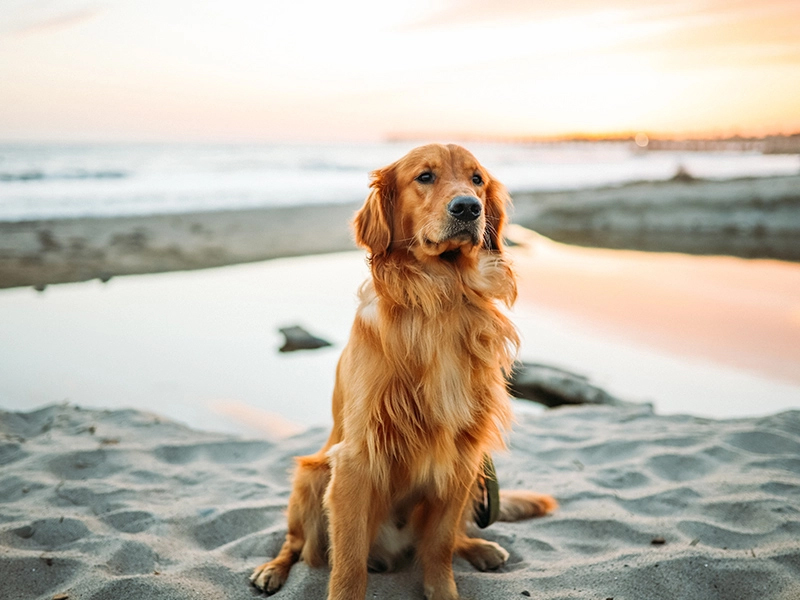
x=488, y=508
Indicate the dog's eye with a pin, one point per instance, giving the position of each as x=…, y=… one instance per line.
x=426, y=177
x=477, y=179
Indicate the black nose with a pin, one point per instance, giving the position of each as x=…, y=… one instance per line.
x=465, y=208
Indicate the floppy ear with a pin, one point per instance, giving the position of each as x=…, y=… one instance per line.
x=497, y=199
x=373, y=221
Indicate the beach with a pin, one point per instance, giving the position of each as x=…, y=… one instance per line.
x=179, y=185
x=43, y=252
x=100, y=505
x=107, y=492
x=149, y=422
x=748, y=217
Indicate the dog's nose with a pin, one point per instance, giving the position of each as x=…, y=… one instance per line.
x=465, y=208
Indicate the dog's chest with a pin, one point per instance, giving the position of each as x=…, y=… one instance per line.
x=438, y=376
x=446, y=368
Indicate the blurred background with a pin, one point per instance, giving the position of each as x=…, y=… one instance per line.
x=655, y=147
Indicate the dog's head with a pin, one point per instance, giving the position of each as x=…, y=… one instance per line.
x=436, y=201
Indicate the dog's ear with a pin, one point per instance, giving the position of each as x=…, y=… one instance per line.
x=373, y=221
x=497, y=201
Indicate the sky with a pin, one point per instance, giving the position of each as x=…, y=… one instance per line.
x=244, y=70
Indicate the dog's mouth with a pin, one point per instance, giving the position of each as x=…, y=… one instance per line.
x=465, y=237
x=453, y=239
x=453, y=244
x=450, y=255
x=460, y=233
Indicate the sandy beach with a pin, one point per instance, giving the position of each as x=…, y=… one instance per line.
x=101, y=505
x=181, y=189
x=746, y=217
x=43, y=252
x=148, y=425
x=751, y=218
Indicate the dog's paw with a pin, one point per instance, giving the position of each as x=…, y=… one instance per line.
x=484, y=555
x=269, y=577
x=447, y=592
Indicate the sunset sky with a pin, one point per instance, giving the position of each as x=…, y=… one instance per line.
x=238, y=70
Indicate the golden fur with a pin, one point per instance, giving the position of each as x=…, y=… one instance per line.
x=420, y=391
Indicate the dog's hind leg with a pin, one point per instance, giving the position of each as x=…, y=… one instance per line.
x=307, y=537
x=514, y=506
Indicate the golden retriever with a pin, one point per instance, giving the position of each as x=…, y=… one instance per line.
x=420, y=396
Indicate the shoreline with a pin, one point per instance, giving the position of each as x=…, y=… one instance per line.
x=43, y=252
x=752, y=218
x=747, y=217
x=202, y=346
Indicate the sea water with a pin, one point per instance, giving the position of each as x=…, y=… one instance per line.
x=40, y=181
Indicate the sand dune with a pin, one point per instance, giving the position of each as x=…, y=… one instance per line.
x=101, y=505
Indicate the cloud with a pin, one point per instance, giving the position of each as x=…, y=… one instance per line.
x=475, y=12
x=39, y=18
x=457, y=13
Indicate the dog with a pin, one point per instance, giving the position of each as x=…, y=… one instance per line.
x=420, y=396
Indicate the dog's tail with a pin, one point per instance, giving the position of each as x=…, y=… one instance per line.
x=516, y=505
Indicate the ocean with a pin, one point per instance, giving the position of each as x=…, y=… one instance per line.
x=40, y=181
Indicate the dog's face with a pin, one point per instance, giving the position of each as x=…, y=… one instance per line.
x=436, y=201
x=441, y=199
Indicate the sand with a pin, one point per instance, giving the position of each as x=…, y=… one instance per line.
x=44, y=252
x=754, y=218
x=102, y=505
x=749, y=217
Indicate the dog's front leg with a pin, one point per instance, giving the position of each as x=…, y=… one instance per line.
x=354, y=515
x=442, y=522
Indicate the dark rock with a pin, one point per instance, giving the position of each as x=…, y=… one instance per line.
x=658, y=541
x=553, y=387
x=681, y=174
x=298, y=338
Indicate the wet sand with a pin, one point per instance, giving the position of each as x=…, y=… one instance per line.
x=758, y=217
x=44, y=252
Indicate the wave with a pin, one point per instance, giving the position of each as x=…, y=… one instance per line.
x=40, y=175
x=59, y=181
